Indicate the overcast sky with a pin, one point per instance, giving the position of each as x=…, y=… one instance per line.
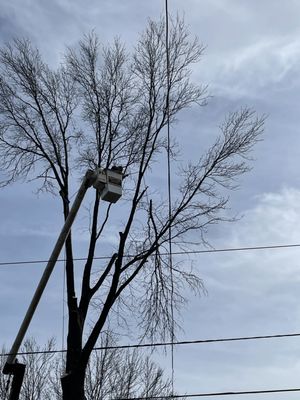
x=252, y=58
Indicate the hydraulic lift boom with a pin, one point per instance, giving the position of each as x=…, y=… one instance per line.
x=109, y=184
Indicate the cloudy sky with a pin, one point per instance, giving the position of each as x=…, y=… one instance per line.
x=252, y=58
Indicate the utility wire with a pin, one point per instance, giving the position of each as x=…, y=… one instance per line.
x=221, y=250
x=214, y=394
x=163, y=344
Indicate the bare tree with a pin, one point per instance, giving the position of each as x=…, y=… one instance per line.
x=123, y=374
x=111, y=373
x=38, y=372
x=123, y=102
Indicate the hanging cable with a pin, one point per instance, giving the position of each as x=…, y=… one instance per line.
x=169, y=189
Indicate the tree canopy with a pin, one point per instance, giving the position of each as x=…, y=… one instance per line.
x=105, y=107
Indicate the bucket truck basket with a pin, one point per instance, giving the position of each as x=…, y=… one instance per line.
x=109, y=184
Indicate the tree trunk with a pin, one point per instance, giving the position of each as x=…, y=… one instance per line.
x=73, y=385
x=74, y=338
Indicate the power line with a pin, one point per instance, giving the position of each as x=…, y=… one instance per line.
x=214, y=394
x=207, y=251
x=162, y=344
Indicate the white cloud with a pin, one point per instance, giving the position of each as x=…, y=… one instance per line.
x=274, y=219
x=252, y=71
x=249, y=293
